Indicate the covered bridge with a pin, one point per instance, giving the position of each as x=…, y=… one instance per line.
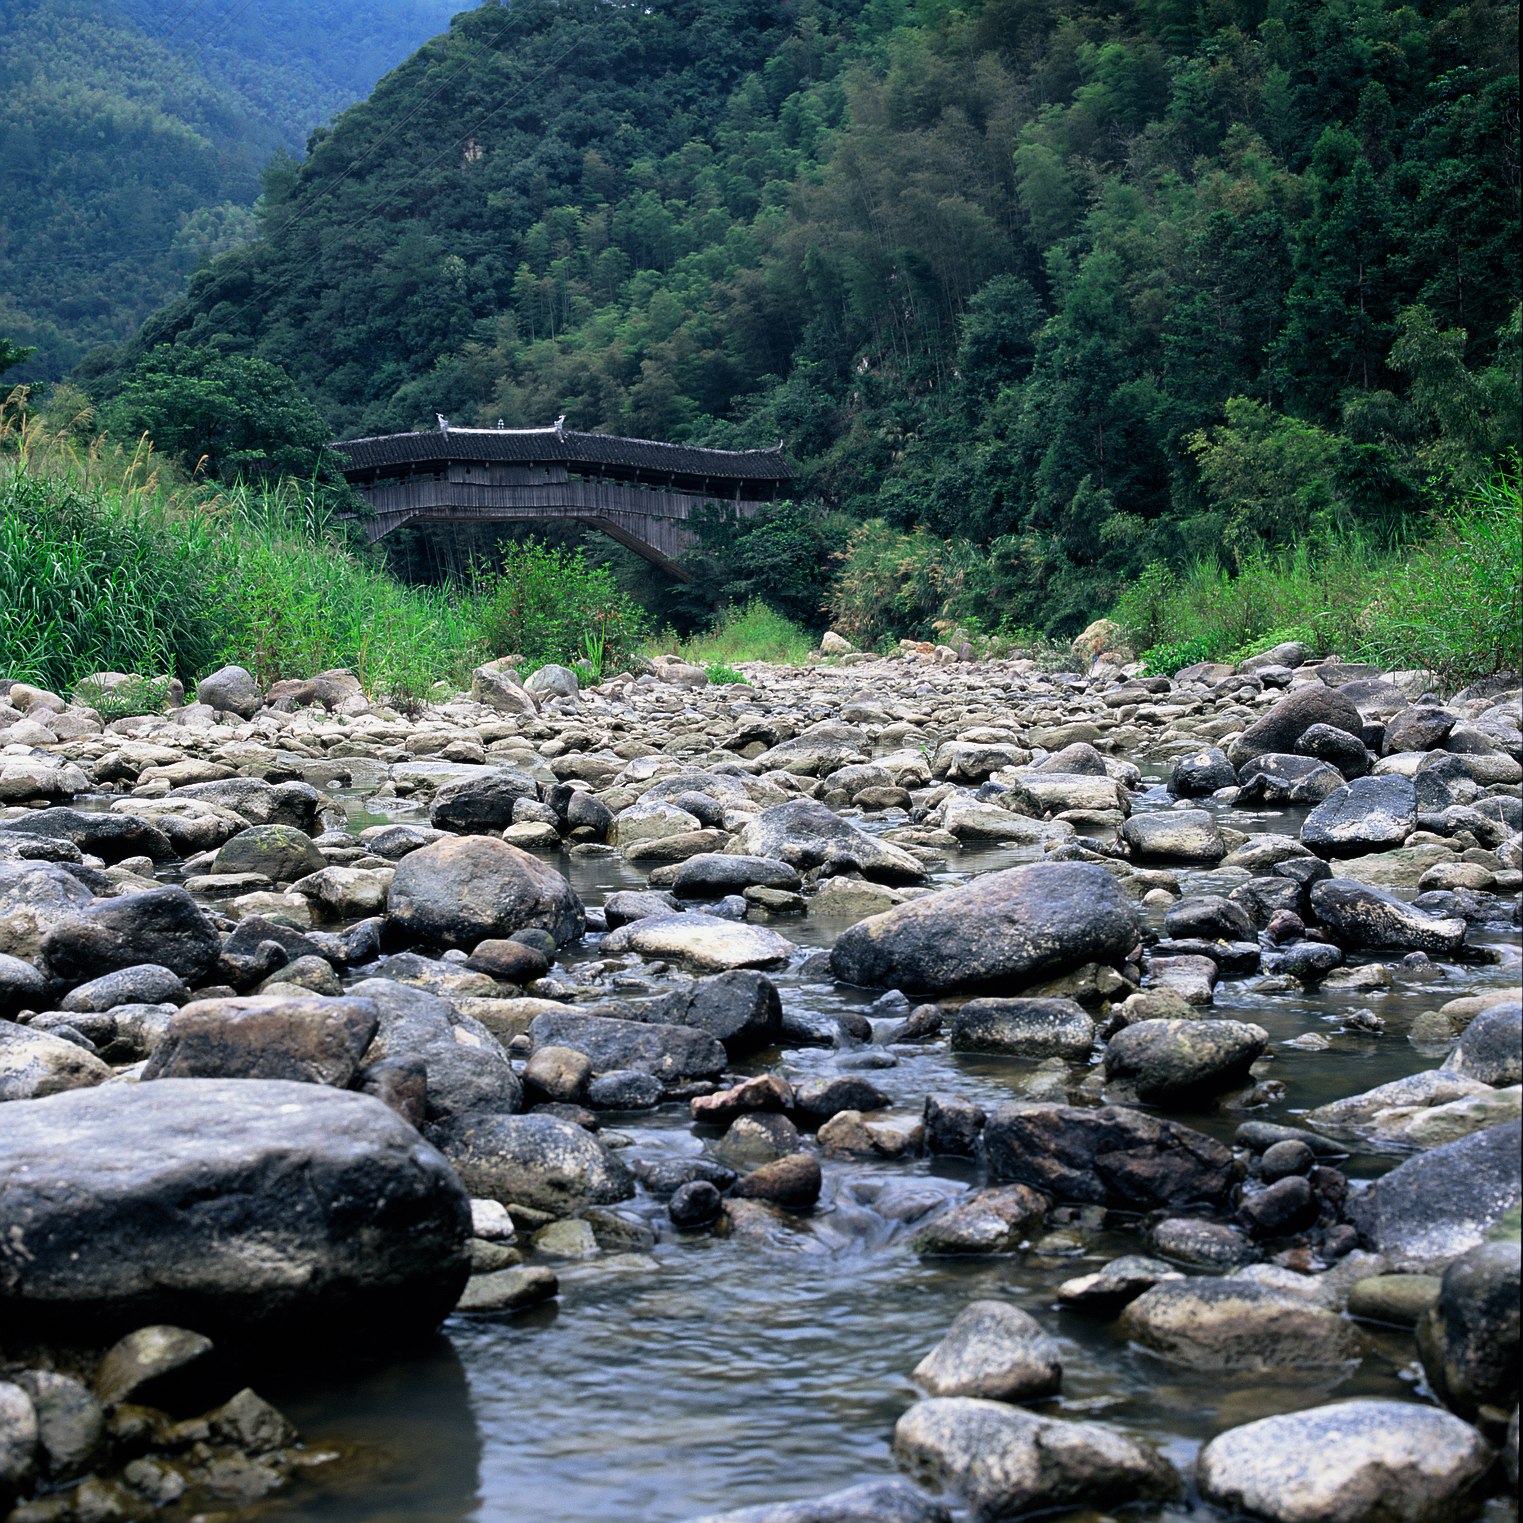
x=637, y=491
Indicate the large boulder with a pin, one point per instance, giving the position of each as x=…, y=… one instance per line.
x=1359, y=916
x=1289, y=719
x=1429, y=1210
x=740, y=1007
x=34, y=898
x=1491, y=1046
x=467, y=1069
x=309, y=1040
x=1024, y=1028
x=281, y=852
x=232, y=690
x=1201, y=773
x=994, y=1350
x=672, y=1054
x=1175, y=1062
x=1110, y=1157
x=1276, y=779
x=160, y=925
x=291, y=803
x=483, y=802
x=268, y=1213
x=109, y=836
x=805, y=834
x=1006, y=1462
x=707, y=943
x=34, y=1063
x=1368, y=814
x=466, y=889
x=538, y=1161
x=1350, y=1462
x=1010, y=927
x=501, y=690
x=1468, y=1338
x=1175, y=835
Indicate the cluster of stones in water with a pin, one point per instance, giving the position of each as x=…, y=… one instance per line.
x=160, y=979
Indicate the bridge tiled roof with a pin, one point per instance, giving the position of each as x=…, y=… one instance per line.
x=387, y=453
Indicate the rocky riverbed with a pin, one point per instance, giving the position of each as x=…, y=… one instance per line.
x=908, y=1090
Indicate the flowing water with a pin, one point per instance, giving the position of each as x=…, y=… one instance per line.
x=708, y=1373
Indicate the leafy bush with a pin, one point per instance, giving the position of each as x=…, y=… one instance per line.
x=889, y=581
x=721, y=675
x=753, y=632
x=124, y=700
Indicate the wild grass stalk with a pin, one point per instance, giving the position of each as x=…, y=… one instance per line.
x=753, y=632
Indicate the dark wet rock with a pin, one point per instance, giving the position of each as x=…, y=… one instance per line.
x=1281, y=1159
x=871, y=1502
x=983, y=1221
x=1201, y=1244
x=1305, y=871
x=758, y=1138
x=71, y=1427
x=711, y=874
x=1337, y=748
x=290, y=803
x=1177, y=835
x=1179, y=1061
x=952, y=1126
x=537, y=1161
x=625, y=1089
x=1309, y=962
x=1233, y=959
x=506, y=1290
x=467, y=1069
x=672, y=1054
x=160, y=925
x=666, y=1176
x=258, y=947
x=693, y=1205
x=792, y=1181
x=510, y=962
x=635, y=904
x=1468, y=1338
x=1277, y=779
x=740, y=1007
x=1013, y=926
x=1443, y=782
x=483, y=802
x=144, y=984
x=1110, y=1157
x=400, y=1083
x=1491, y=1046
x=1260, y=1136
x=282, y=853
x=993, y=1350
x=1287, y=1206
x=1264, y=898
x=1201, y=774
x=822, y=1098
x=583, y=812
x=1438, y=1205
x=1024, y=1028
x=22, y=986
x=108, y=836
x=1360, y=916
x=923, y=1023
x=806, y=834
x=1351, y=1462
x=1007, y=1462
x=1235, y=1324
x=248, y=1422
x=309, y=1041
x=261, y=1212
x=1291, y=717
x=395, y=841
x=1208, y=916
x=467, y=889
x=1368, y=814
x=38, y=1063
x=1120, y=1282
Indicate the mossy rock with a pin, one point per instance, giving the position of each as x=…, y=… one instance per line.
x=281, y=852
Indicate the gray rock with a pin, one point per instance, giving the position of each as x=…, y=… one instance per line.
x=34, y=898
x=145, y=984
x=231, y=690
x=1360, y=916
x=1208, y=916
x=537, y=1161
x=983, y=1221
x=1180, y=835
x=291, y=803
x=1428, y=1088
x=1351, y=1462
x=509, y=1289
x=163, y=1366
x=1288, y=1205
x=823, y=1098
x=268, y=1213
x=483, y=802
x=108, y=836
x=629, y=904
x=1290, y=1155
x=37, y=1063
x=1006, y=1462
x=22, y=986
x=281, y=852
x=1235, y=1324
x=711, y=874
x=1121, y=1281
x=1398, y=1299
x=1013, y=927
x=1438, y=1205
x=952, y=1126
x=740, y=1007
x=501, y=691
x=871, y=1502
x=1335, y=747
x=1291, y=717
x=1110, y=1157
x=1491, y=1046
x=1176, y=1061
x=552, y=681
x=672, y=1054
x=666, y=1176
x=508, y=961
x=309, y=1041
x=465, y=889
x=625, y=1089
x=1024, y=1028
x=993, y=1350
x=1201, y=774
x=1201, y=1244
x=18, y=1442
x=161, y=925
x=693, y=1205
x=805, y=834
x=1468, y=1338
x=71, y=1428
x=467, y=1069
x=1420, y=727
x=1276, y=779
x=1368, y=814
x=248, y=1422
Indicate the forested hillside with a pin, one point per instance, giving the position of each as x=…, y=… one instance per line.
x=1038, y=293
x=132, y=140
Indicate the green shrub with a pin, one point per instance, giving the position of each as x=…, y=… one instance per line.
x=721, y=675
x=754, y=631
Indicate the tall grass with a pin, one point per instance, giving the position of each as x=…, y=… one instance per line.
x=753, y=632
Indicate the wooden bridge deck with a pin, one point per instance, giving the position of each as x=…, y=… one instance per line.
x=641, y=493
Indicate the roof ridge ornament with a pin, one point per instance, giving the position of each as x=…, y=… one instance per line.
x=443, y=422
x=560, y=426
